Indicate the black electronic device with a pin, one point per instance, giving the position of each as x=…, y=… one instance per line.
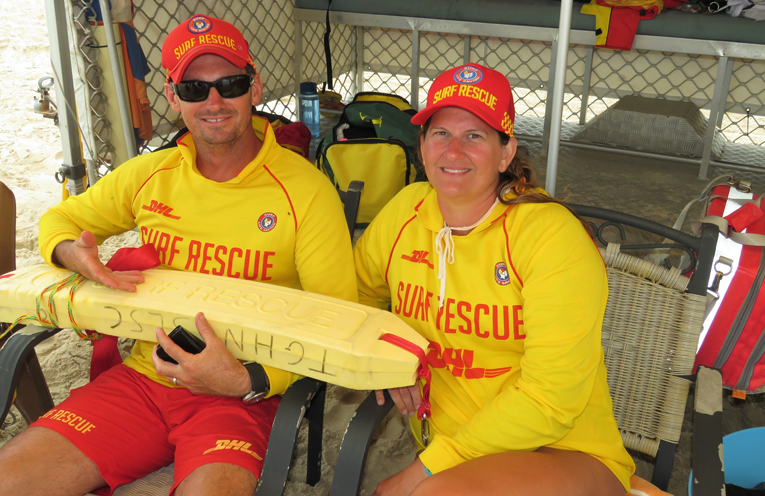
x=186, y=340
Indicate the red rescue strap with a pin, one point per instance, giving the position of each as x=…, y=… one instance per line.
x=423, y=372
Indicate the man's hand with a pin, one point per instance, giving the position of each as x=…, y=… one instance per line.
x=81, y=256
x=404, y=482
x=214, y=371
x=407, y=399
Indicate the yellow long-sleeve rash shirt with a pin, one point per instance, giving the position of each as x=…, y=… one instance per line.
x=279, y=221
x=515, y=350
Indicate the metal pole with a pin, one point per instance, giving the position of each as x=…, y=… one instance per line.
x=415, y=82
x=560, y=80
x=84, y=95
x=298, y=61
x=649, y=155
x=586, y=85
x=548, y=100
x=466, y=50
x=359, y=59
x=717, y=98
x=73, y=168
x=726, y=90
x=124, y=106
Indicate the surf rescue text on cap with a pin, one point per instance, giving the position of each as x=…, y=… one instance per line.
x=475, y=88
x=200, y=35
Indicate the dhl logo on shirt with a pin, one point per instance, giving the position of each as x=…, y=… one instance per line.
x=460, y=362
x=418, y=256
x=161, y=209
x=233, y=444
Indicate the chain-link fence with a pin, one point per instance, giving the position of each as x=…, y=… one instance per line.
x=612, y=75
x=267, y=25
x=389, y=59
x=98, y=146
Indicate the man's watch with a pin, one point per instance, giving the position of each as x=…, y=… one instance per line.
x=260, y=385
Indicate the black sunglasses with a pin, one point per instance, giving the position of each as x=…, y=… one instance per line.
x=227, y=87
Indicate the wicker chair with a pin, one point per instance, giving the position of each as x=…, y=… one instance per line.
x=650, y=332
x=651, y=327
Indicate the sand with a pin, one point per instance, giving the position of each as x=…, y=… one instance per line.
x=29, y=156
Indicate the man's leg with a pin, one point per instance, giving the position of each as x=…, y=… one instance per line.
x=41, y=462
x=219, y=443
x=218, y=478
x=108, y=432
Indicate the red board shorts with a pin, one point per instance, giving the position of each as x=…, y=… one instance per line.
x=130, y=426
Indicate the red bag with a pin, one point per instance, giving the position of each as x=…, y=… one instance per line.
x=733, y=339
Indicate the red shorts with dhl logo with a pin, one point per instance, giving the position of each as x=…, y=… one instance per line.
x=130, y=426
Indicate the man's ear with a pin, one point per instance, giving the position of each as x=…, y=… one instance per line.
x=172, y=98
x=257, y=90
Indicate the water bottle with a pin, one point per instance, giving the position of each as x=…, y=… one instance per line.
x=308, y=107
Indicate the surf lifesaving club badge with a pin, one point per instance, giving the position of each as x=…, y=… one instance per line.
x=267, y=221
x=501, y=275
x=468, y=75
x=200, y=24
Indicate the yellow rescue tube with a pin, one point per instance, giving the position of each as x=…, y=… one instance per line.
x=301, y=332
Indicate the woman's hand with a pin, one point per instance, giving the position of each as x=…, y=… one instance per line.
x=407, y=399
x=81, y=256
x=404, y=482
x=214, y=371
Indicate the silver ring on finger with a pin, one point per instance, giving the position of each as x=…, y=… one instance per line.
x=175, y=380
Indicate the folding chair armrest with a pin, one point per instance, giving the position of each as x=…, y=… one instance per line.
x=703, y=246
x=7, y=229
x=356, y=186
x=351, y=199
x=708, y=475
x=15, y=356
x=665, y=459
x=355, y=445
x=302, y=396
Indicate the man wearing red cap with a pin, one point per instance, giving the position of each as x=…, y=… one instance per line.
x=229, y=201
x=509, y=290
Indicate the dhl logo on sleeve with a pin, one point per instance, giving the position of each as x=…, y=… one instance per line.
x=466, y=90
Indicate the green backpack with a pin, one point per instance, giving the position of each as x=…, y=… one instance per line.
x=374, y=142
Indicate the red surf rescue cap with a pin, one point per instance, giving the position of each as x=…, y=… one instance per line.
x=200, y=35
x=475, y=88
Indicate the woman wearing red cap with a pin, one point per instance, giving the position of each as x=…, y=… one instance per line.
x=510, y=292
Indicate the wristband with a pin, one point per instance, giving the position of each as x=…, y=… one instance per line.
x=260, y=386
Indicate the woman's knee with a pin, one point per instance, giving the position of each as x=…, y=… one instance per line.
x=525, y=474
x=433, y=485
